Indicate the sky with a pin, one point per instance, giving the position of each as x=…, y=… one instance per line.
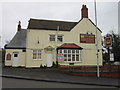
x=64, y=10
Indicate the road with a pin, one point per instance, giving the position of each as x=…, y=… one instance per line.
x=22, y=83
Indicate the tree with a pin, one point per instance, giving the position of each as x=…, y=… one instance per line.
x=116, y=46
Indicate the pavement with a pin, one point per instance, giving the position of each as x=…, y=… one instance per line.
x=53, y=75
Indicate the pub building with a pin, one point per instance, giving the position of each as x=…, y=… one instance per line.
x=63, y=42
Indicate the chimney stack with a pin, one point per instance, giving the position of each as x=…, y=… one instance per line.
x=19, y=26
x=84, y=12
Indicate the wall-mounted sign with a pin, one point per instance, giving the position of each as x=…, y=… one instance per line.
x=111, y=57
x=60, y=57
x=49, y=48
x=108, y=41
x=87, y=38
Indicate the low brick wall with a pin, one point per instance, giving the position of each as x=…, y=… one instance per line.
x=105, y=70
x=102, y=74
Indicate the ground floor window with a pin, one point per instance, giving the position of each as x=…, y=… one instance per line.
x=37, y=54
x=70, y=55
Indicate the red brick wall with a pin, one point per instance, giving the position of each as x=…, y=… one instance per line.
x=104, y=68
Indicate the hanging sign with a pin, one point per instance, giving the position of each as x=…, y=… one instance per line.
x=87, y=38
x=108, y=41
x=60, y=57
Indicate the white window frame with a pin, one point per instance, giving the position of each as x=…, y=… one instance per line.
x=58, y=36
x=37, y=52
x=50, y=37
x=71, y=53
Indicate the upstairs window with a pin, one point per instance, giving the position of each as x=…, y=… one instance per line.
x=56, y=38
x=52, y=37
x=8, y=57
x=60, y=38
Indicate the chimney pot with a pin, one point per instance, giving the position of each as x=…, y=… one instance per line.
x=19, y=26
x=84, y=11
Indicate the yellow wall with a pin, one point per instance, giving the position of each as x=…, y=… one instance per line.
x=73, y=36
x=22, y=57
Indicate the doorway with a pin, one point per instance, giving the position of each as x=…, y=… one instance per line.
x=15, y=60
x=49, y=60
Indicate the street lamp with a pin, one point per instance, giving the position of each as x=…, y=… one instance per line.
x=98, y=71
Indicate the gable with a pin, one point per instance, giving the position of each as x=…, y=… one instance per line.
x=86, y=24
x=95, y=25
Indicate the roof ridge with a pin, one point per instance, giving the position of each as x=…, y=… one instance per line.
x=52, y=20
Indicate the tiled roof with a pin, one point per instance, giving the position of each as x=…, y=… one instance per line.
x=18, y=41
x=69, y=45
x=40, y=24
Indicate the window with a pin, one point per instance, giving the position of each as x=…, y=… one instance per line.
x=70, y=55
x=57, y=38
x=8, y=57
x=23, y=50
x=36, y=54
x=65, y=57
x=73, y=57
x=52, y=37
x=60, y=38
x=15, y=55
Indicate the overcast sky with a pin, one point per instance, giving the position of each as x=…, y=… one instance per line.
x=12, y=12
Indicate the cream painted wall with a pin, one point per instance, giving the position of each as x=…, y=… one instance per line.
x=22, y=57
x=73, y=36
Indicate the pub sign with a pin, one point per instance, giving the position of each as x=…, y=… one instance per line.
x=87, y=38
x=108, y=41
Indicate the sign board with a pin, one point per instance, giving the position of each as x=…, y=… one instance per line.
x=60, y=57
x=108, y=41
x=87, y=38
x=111, y=57
x=49, y=48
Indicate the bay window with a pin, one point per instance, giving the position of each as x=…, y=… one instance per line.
x=71, y=55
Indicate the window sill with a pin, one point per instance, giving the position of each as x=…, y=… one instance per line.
x=37, y=59
x=55, y=42
x=8, y=60
x=72, y=61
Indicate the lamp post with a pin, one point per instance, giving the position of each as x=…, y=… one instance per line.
x=98, y=71
x=0, y=42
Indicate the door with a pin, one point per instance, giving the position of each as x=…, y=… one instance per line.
x=15, y=59
x=49, y=60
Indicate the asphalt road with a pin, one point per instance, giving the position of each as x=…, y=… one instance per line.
x=22, y=83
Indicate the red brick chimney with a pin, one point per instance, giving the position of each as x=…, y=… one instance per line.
x=19, y=26
x=84, y=12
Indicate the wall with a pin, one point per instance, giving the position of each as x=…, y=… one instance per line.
x=22, y=56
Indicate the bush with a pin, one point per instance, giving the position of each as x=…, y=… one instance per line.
x=54, y=65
